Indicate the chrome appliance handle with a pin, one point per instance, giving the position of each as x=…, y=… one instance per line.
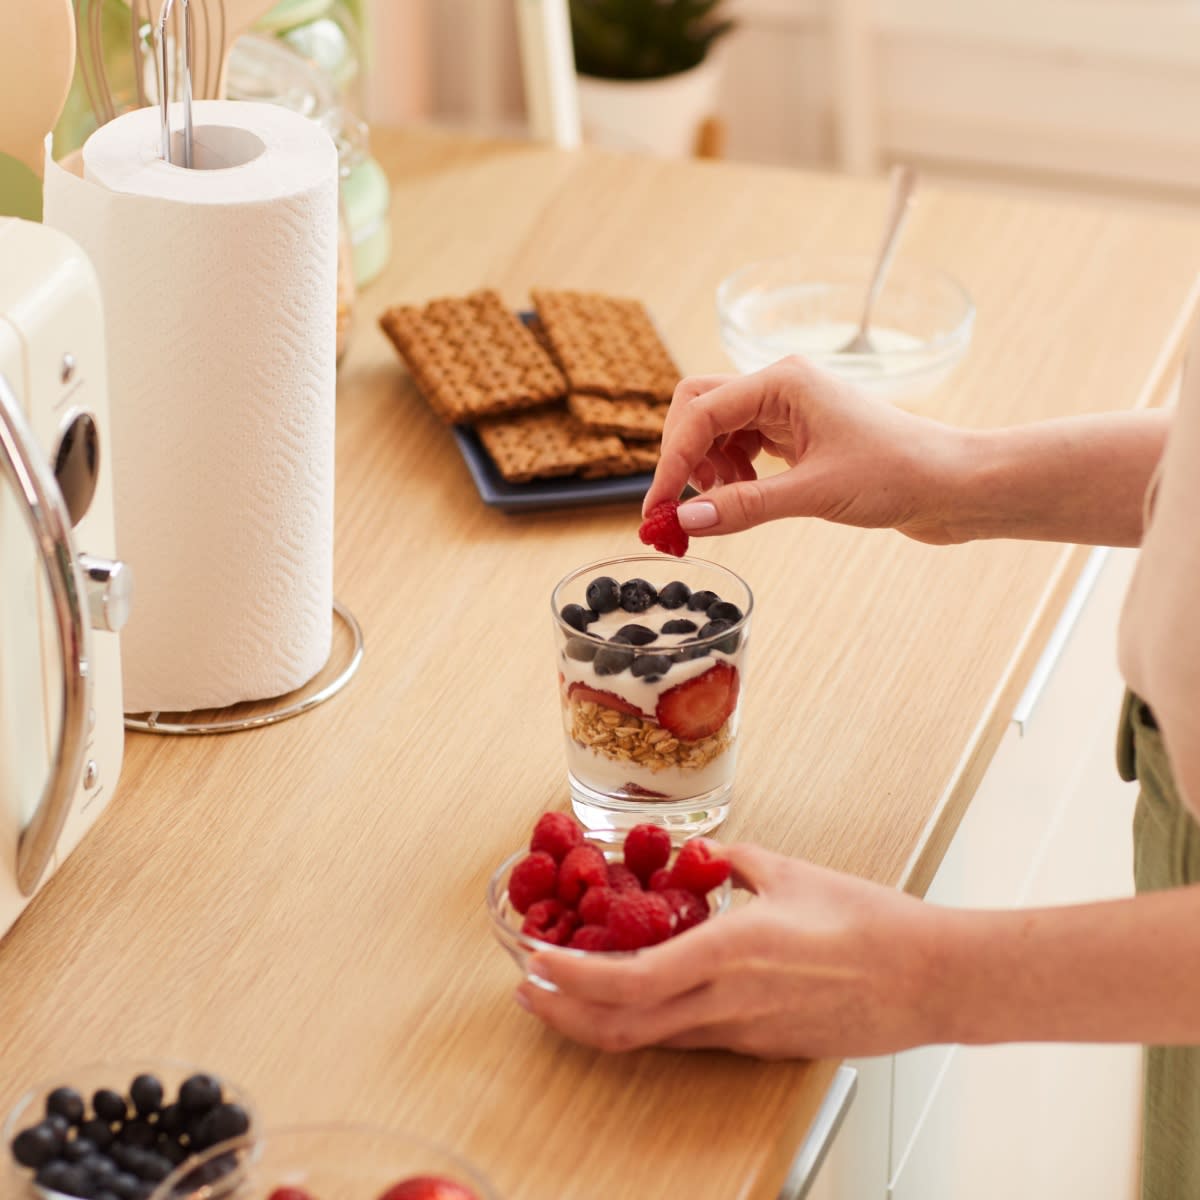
x=46, y=512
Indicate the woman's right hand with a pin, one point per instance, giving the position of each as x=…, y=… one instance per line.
x=851, y=459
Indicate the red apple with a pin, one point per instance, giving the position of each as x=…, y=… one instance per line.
x=428, y=1187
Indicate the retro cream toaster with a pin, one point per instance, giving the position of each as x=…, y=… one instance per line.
x=63, y=594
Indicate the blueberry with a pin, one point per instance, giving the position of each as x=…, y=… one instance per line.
x=67, y=1103
x=713, y=628
x=78, y=1150
x=36, y=1146
x=170, y=1120
x=581, y=649
x=154, y=1168
x=137, y=1133
x=688, y=650
x=122, y=1154
x=603, y=594
x=124, y=1185
x=71, y=1180
x=59, y=1124
x=674, y=595
x=228, y=1121
x=98, y=1132
x=634, y=635
x=651, y=667
x=171, y=1150
x=55, y=1175
x=147, y=1095
x=723, y=611
x=612, y=660
x=637, y=595
x=679, y=625
x=99, y=1166
x=576, y=616
x=132, y=1160
x=105, y=1194
x=702, y=601
x=109, y=1105
x=199, y=1093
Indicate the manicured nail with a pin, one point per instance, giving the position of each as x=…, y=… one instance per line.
x=523, y=1001
x=697, y=514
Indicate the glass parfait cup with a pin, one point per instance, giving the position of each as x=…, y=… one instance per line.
x=651, y=656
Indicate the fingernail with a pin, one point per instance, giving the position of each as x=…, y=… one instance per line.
x=522, y=1000
x=697, y=514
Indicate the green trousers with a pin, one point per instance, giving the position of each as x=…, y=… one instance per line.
x=1166, y=853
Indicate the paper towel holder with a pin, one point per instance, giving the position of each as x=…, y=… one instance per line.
x=290, y=705
x=164, y=85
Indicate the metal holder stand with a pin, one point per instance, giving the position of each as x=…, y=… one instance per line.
x=291, y=705
x=165, y=83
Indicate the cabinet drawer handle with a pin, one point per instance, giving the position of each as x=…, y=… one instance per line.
x=1059, y=637
x=825, y=1125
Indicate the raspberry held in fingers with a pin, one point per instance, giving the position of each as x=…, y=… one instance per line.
x=697, y=870
x=661, y=529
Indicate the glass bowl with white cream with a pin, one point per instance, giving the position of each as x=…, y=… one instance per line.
x=920, y=326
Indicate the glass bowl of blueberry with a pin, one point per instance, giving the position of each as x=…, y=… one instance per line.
x=327, y=1162
x=114, y=1131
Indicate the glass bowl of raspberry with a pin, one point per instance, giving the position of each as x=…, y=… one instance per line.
x=118, y=1128
x=572, y=891
x=651, y=659
x=328, y=1162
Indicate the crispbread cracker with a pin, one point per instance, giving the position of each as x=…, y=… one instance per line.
x=472, y=357
x=637, y=458
x=626, y=416
x=606, y=345
x=544, y=445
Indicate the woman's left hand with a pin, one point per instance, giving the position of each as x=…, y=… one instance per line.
x=819, y=964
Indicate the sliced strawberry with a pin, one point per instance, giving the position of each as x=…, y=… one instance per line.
x=699, y=707
x=636, y=789
x=581, y=691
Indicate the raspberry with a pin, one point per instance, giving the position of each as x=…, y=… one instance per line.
x=639, y=919
x=593, y=908
x=556, y=833
x=551, y=921
x=622, y=879
x=688, y=908
x=583, y=867
x=660, y=880
x=591, y=937
x=697, y=870
x=647, y=847
x=533, y=878
x=427, y=1187
x=661, y=529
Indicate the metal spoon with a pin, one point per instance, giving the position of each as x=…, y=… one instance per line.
x=903, y=181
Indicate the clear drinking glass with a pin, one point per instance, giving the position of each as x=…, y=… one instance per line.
x=651, y=655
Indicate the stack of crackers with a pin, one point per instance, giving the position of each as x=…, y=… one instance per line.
x=582, y=388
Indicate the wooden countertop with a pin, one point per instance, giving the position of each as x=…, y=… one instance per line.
x=301, y=908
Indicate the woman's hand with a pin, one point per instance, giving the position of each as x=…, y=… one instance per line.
x=818, y=964
x=852, y=459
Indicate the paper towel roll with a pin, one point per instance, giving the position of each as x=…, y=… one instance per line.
x=220, y=294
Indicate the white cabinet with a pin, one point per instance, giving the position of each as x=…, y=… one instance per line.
x=1050, y=824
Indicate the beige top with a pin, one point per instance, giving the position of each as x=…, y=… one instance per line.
x=301, y=908
x=1160, y=624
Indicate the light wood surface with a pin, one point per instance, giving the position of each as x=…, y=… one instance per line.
x=301, y=908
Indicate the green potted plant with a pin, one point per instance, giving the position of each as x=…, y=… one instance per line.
x=648, y=70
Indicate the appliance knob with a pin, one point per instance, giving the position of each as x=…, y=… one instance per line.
x=109, y=584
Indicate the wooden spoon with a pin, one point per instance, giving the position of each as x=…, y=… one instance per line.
x=240, y=17
x=37, y=63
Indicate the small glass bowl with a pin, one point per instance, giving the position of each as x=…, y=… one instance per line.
x=506, y=921
x=921, y=323
x=328, y=1162
x=18, y=1182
